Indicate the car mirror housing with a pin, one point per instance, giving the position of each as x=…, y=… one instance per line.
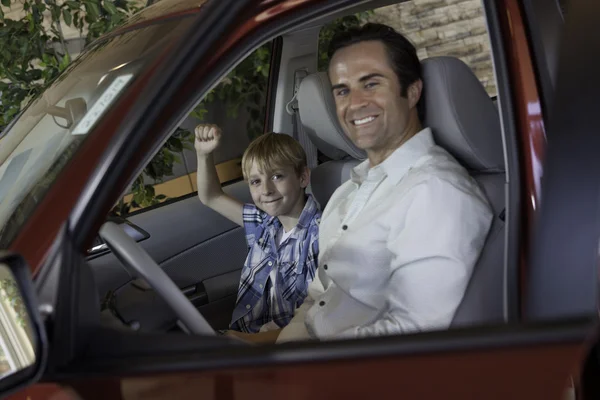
x=23, y=343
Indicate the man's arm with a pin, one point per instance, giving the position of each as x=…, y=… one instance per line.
x=269, y=337
x=210, y=192
x=294, y=331
x=434, y=255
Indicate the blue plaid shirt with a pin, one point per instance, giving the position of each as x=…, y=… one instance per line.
x=295, y=260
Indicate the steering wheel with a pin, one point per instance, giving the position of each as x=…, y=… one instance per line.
x=137, y=260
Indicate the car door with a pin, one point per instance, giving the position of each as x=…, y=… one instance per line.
x=532, y=359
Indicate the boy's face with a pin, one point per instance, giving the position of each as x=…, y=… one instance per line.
x=279, y=192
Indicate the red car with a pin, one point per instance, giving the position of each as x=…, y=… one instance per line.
x=95, y=305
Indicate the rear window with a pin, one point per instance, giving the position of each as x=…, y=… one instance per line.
x=436, y=28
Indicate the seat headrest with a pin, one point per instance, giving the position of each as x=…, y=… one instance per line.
x=461, y=114
x=319, y=119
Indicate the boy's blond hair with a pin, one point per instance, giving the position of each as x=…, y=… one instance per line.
x=274, y=150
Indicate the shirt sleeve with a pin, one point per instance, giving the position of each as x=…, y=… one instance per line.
x=310, y=266
x=296, y=329
x=253, y=218
x=434, y=252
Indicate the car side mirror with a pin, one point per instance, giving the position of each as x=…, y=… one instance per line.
x=23, y=344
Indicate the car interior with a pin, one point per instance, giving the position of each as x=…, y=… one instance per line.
x=201, y=253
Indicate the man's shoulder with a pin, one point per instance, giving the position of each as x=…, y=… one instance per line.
x=439, y=169
x=343, y=190
x=440, y=164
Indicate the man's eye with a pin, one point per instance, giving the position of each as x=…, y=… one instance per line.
x=341, y=92
x=370, y=85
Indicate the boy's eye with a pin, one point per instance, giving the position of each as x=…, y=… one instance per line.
x=277, y=177
x=254, y=182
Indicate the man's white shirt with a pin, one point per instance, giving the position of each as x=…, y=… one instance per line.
x=397, y=247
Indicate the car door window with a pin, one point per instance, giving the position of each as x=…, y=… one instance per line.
x=238, y=106
x=49, y=132
x=455, y=29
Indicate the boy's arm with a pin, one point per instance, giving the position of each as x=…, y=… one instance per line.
x=210, y=192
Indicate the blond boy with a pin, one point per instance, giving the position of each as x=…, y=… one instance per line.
x=281, y=226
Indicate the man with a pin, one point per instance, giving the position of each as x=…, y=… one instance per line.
x=399, y=240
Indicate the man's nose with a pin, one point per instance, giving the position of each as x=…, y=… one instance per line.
x=357, y=99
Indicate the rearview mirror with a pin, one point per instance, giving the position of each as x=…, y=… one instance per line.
x=22, y=337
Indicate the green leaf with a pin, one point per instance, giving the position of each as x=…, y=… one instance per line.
x=6, y=3
x=64, y=62
x=139, y=196
x=93, y=10
x=68, y=17
x=110, y=7
x=73, y=5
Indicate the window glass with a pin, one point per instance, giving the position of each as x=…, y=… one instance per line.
x=49, y=132
x=440, y=28
x=238, y=106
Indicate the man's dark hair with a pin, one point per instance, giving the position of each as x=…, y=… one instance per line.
x=401, y=52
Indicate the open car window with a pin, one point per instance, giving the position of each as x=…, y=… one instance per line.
x=49, y=132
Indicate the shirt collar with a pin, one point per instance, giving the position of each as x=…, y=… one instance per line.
x=399, y=162
x=308, y=212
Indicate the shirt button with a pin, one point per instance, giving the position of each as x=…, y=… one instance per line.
x=270, y=263
x=248, y=306
x=260, y=285
x=321, y=303
x=344, y=227
x=325, y=267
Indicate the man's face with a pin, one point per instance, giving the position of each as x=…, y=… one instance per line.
x=279, y=192
x=367, y=95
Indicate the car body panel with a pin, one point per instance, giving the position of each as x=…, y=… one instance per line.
x=201, y=251
x=530, y=122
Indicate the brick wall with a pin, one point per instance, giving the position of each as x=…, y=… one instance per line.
x=445, y=27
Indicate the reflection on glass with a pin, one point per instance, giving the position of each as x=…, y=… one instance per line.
x=17, y=350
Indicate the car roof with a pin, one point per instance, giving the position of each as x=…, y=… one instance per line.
x=163, y=9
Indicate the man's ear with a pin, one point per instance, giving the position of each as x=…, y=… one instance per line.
x=414, y=93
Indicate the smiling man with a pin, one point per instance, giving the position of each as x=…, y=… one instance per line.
x=400, y=239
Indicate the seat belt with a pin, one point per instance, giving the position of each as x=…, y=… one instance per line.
x=299, y=134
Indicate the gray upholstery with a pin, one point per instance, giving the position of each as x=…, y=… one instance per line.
x=464, y=121
x=317, y=112
x=484, y=300
x=461, y=114
x=327, y=177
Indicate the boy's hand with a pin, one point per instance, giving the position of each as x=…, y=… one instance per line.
x=208, y=138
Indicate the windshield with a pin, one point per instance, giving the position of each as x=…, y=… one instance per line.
x=48, y=133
